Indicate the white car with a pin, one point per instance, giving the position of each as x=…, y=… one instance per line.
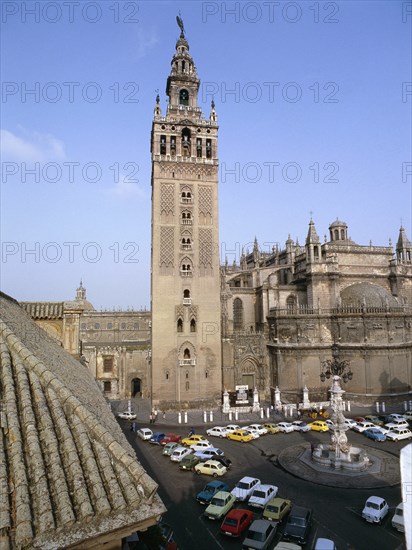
x=397, y=424
x=396, y=434
x=217, y=431
x=285, y=427
x=300, y=426
x=262, y=494
x=144, y=433
x=395, y=416
x=244, y=488
x=375, y=509
x=201, y=446
x=127, y=415
x=261, y=430
x=408, y=415
x=362, y=426
x=232, y=428
x=398, y=521
x=350, y=423
x=252, y=432
x=179, y=453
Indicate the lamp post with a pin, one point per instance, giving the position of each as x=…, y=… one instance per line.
x=339, y=370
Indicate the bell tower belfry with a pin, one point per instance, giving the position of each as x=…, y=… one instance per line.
x=185, y=279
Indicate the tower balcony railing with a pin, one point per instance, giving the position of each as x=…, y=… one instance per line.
x=186, y=200
x=186, y=221
x=187, y=301
x=187, y=362
x=186, y=246
x=185, y=273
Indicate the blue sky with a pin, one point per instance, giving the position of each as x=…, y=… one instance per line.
x=314, y=108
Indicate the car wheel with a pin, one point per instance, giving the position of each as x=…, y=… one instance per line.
x=198, y=472
x=214, y=475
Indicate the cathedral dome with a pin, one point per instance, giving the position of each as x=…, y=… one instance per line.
x=367, y=294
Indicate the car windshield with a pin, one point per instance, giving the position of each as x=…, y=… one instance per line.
x=256, y=535
x=231, y=522
x=242, y=485
x=218, y=502
x=294, y=520
x=208, y=489
x=271, y=508
x=399, y=512
x=259, y=494
x=372, y=505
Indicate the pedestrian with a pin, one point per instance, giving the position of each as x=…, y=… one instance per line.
x=299, y=414
x=151, y=418
x=133, y=426
x=164, y=415
x=312, y=448
x=156, y=413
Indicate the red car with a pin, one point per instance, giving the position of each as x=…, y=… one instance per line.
x=236, y=521
x=170, y=438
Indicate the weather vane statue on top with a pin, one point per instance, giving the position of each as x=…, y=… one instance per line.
x=180, y=23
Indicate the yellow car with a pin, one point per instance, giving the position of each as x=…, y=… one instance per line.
x=319, y=426
x=240, y=435
x=193, y=439
x=271, y=428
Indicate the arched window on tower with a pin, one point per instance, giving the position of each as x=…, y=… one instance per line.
x=237, y=314
x=291, y=303
x=199, y=147
x=193, y=325
x=186, y=353
x=162, y=145
x=187, y=300
x=336, y=234
x=184, y=97
x=179, y=325
x=186, y=142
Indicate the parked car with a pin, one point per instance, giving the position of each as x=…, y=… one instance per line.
x=209, y=453
x=260, y=535
x=359, y=419
x=408, y=415
x=170, y=447
x=277, y=509
x=144, y=433
x=272, y=428
x=236, y=521
x=374, y=419
x=244, y=487
x=394, y=416
x=362, y=426
x=209, y=491
x=220, y=505
x=127, y=415
x=324, y=544
x=217, y=431
x=375, y=434
x=375, y=509
x=201, y=446
x=224, y=460
x=261, y=495
x=171, y=438
x=398, y=521
x=283, y=545
x=157, y=437
x=261, y=430
x=397, y=434
x=179, y=453
x=352, y=423
x=252, y=432
x=319, y=426
x=189, y=462
x=210, y=468
x=300, y=426
x=232, y=428
x=240, y=435
x=192, y=439
x=397, y=424
x=285, y=427
x=298, y=525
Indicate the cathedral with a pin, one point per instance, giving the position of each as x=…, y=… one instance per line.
x=267, y=322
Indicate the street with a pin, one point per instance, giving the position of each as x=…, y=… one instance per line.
x=336, y=511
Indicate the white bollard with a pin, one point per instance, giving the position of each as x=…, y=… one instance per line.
x=204, y=416
x=236, y=415
x=211, y=416
x=179, y=417
x=348, y=402
x=377, y=406
x=344, y=406
x=261, y=413
x=185, y=417
x=230, y=416
x=405, y=405
x=410, y=405
x=383, y=406
x=267, y=412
